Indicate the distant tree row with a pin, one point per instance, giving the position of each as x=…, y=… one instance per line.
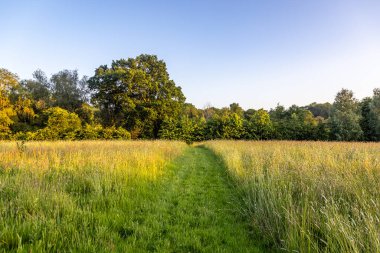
x=135, y=98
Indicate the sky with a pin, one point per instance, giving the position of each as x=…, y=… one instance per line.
x=256, y=53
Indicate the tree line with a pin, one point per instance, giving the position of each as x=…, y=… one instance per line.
x=135, y=98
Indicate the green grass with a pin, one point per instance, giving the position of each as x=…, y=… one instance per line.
x=195, y=210
x=308, y=196
x=176, y=200
x=166, y=196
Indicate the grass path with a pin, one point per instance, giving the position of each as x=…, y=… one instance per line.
x=192, y=210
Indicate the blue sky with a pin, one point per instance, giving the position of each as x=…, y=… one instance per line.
x=256, y=53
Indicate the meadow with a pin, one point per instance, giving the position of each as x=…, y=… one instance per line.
x=116, y=196
x=308, y=196
x=80, y=196
x=166, y=196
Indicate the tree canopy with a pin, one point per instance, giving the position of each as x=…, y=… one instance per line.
x=136, y=98
x=137, y=94
x=345, y=117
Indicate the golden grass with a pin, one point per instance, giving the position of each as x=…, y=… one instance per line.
x=78, y=196
x=137, y=158
x=309, y=196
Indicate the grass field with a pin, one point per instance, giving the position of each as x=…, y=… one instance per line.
x=166, y=196
x=81, y=196
x=308, y=196
x=133, y=196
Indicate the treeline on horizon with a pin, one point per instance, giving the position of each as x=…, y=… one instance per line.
x=135, y=98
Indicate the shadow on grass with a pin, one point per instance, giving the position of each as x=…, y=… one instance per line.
x=239, y=204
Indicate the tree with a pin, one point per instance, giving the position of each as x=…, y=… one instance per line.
x=61, y=124
x=185, y=129
x=366, y=121
x=191, y=111
x=345, y=117
x=259, y=126
x=137, y=94
x=86, y=113
x=25, y=114
x=209, y=111
x=236, y=108
x=226, y=125
x=38, y=88
x=278, y=117
x=8, y=81
x=374, y=116
x=297, y=123
x=321, y=110
x=68, y=90
x=249, y=113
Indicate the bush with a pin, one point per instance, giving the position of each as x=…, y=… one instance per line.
x=90, y=132
x=96, y=132
x=113, y=133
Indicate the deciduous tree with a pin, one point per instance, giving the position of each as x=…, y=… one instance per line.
x=345, y=117
x=8, y=81
x=136, y=93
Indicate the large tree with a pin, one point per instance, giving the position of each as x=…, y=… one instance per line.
x=345, y=117
x=137, y=94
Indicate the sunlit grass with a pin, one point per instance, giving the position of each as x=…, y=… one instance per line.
x=80, y=196
x=135, y=158
x=309, y=196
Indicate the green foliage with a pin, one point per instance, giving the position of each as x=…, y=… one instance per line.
x=86, y=113
x=236, y=108
x=185, y=129
x=24, y=110
x=170, y=130
x=8, y=81
x=345, y=117
x=137, y=94
x=374, y=115
x=90, y=132
x=97, y=132
x=259, y=126
x=38, y=88
x=320, y=110
x=296, y=123
x=228, y=125
x=135, y=98
x=68, y=90
x=366, y=121
x=61, y=124
x=113, y=133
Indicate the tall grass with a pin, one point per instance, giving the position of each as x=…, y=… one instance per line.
x=309, y=196
x=76, y=196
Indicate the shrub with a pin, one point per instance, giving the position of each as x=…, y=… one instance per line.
x=113, y=133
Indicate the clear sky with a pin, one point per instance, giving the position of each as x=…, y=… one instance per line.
x=257, y=53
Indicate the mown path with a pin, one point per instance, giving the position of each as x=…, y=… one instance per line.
x=193, y=209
